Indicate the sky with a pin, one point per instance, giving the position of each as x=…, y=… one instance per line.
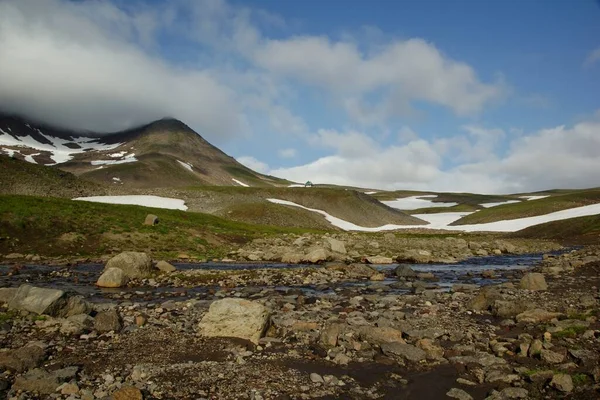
x=466, y=95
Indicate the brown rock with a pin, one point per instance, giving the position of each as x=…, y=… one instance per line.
x=128, y=393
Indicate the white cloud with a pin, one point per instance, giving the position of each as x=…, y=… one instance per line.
x=287, y=153
x=254, y=164
x=592, y=58
x=560, y=157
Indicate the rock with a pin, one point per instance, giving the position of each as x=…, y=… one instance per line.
x=405, y=351
x=484, y=299
x=434, y=352
x=316, y=378
x=379, y=335
x=68, y=388
x=37, y=380
x=533, y=281
x=379, y=260
x=551, y=357
x=587, y=301
x=379, y=276
x=507, y=309
x=514, y=393
x=14, y=256
x=22, y=359
x=76, y=305
x=38, y=300
x=6, y=294
x=112, y=278
x=330, y=333
x=459, y=394
x=133, y=264
x=165, y=267
x=107, y=321
x=151, y=220
x=316, y=256
x=292, y=258
x=535, y=348
x=405, y=271
x=141, y=320
x=536, y=315
x=562, y=382
x=337, y=246
x=128, y=393
x=235, y=318
x=356, y=271
x=481, y=358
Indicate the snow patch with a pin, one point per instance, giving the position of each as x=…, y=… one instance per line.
x=499, y=203
x=442, y=221
x=59, y=152
x=296, y=185
x=185, y=165
x=139, y=200
x=370, y=192
x=116, y=179
x=416, y=202
x=529, y=198
x=118, y=155
x=240, y=183
x=127, y=159
x=29, y=158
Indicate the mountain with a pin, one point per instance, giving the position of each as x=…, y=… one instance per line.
x=164, y=153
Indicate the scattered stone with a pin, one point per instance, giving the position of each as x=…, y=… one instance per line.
x=235, y=318
x=107, y=321
x=165, y=266
x=459, y=394
x=551, y=357
x=562, y=382
x=316, y=378
x=112, y=278
x=405, y=351
x=533, y=281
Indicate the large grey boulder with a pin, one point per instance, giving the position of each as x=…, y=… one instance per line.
x=356, y=271
x=38, y=300
x=107, y=321
x=6, y=294
x=405, y=271
x=235, y=318
x=316, y=256
x=112, y=278
x=337, y=246
x=75, y=305
x=134, y=264
x=405, y=351
x=533, y=281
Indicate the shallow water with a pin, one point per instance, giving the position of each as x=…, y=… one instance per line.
x=81, y=278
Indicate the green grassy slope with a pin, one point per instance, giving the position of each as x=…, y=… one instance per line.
x=533, y=208
x=575, y=230
x=52, y=226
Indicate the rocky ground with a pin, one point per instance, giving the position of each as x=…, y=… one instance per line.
x=309, y=333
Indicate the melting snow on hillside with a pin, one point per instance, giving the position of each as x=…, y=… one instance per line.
x=185, y=165
x=146, y=201
x=416, y=202
x=240, y=183
x=529, y=198
x=127, y=159
x=59, y=152
x=442, y=220
x=499, y=203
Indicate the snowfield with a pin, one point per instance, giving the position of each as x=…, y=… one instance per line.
x=185, y=165
x=416, y=202
x=240, y=183
x=139, y=200
x=127, y=159
x=442, y=221
x=529, y=198
x=60, y=152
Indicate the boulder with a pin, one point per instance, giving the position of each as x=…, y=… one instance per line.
x=76, y=305
x=379, y=260
x=151, y=220
x=127, y=393
x=292, y=258
x=316, y=256
x=165, y=267
x=356, y=271
x=405, y=271
x=562, y=382
x=459, y=394
x=405, y=351
x=133, y=264
x=37, y=380
x=107, y=321
x=337, y=246
x=38, y=300
x=22, y=359
x=330, y=334
x=112, y=278
x=6, y=294
x=235, y=318
x=379, y=335
x=533, y=281
x=507, y=308
x=536, y=315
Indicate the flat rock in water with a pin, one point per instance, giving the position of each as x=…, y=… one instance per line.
x=235, y=318
x=165, y=266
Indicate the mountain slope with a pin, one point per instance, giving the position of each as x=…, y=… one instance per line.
x=164, y=153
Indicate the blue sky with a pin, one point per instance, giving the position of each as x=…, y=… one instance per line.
x=484, y=96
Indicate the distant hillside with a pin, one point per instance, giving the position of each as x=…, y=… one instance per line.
x=582, y=230
x=164, y=153
x=20, y=177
